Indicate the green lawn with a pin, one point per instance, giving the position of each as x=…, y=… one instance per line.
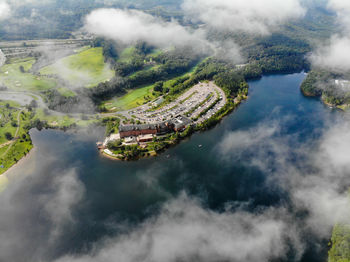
x=126, y=55
x=7, y=117
x=86, y=68
x=17, y=152
x=140, y=96
x=12, y=153
x=13, y=78
x=63, y=120
x=132, y=99
x=66, y=92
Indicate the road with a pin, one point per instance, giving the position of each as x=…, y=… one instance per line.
x=193, y=96
x=198, y=98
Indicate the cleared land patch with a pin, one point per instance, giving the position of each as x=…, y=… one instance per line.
x=140, y=96
x=12, y=77
x=87, y=68
x=134, y=98
x=127, y=54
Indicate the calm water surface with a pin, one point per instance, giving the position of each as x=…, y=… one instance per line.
x=132, y=191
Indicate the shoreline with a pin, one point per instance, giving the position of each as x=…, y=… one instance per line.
x=103, y=154
x=233, y=107
x=31, y=152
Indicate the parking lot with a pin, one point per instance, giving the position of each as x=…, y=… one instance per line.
x=192, y=103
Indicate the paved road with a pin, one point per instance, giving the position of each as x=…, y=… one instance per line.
x=192, y=98
x=6, y=144
x=25, y=97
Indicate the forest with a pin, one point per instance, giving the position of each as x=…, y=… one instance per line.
x=321, y=83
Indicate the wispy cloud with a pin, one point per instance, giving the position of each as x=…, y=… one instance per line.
x=313, y=174
x=334, y=55
x=256, y=17
x=186, y=231
x=5, y=10
x=252, y=16
x=131, y=26
x=35, y=211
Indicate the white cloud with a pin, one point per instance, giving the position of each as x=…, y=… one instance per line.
x=35, y=210
x=251, y=16
x=130, y=26
x=58, y=206
x=334, y=56
x=5, y=10
x=185, y=231
x=342, y=8
x=316, y=183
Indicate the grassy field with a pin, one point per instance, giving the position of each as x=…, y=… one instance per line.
x=63, y=121
x=126, y=55
x=13, y=78
x=8, y=116
x=19, y=145
x=66, y=92
x=18, y=150
x=13, y=121
x=132, y=99
x=140, y=96
x=86, y=68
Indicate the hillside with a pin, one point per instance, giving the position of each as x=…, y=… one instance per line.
x=84, y=69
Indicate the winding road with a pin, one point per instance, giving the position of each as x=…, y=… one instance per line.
x=25, y=97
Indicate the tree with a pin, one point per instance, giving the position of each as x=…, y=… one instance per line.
x=33, y=104
x=158, y=87
x=8, y=136
x=114, y=145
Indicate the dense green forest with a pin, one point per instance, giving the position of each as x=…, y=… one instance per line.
x=58, y=19
x=284, y=51
x=274, y=54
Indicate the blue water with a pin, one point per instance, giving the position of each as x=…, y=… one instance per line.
x=132, y=191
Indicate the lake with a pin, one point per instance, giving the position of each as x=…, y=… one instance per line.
x=127, y=193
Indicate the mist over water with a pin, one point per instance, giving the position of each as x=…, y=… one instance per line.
x=243, y=203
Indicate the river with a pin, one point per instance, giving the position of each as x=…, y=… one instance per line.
x=129, y=192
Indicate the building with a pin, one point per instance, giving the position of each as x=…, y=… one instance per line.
x=146, y=129
x=130, y=140
x=158, y=102
x=180, y=123
x=145, y=138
